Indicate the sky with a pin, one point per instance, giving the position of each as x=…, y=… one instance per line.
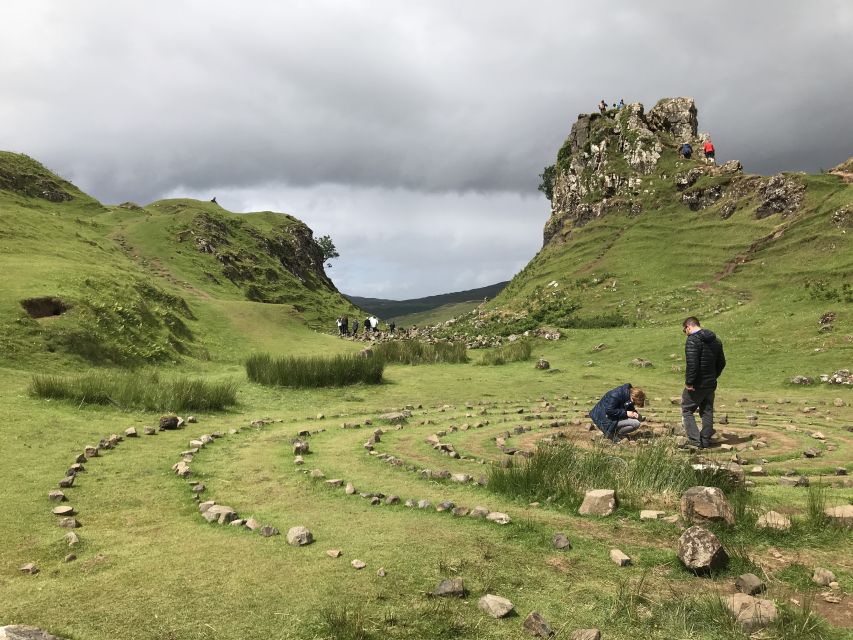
x=411, y=132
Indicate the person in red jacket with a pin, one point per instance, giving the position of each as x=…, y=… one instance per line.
x=708, y=148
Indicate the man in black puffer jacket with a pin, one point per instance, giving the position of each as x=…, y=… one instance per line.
x=704, y=362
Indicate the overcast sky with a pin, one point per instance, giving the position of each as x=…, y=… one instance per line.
x=411, y=132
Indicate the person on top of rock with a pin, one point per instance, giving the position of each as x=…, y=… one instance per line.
x=710, y=152
x=602, y=107
x=616, y=413
x=704, y=361
x=686, y=150
x=621, y=104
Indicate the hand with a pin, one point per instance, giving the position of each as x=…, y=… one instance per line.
x=632, y=414
x=690, y=387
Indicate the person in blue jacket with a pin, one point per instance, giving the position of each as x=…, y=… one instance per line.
x=616, y=413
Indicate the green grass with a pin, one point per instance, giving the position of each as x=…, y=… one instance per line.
x=418, y=352
x=143, y=391
x=308, y=372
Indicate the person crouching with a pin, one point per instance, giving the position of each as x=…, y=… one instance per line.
x=616, y=413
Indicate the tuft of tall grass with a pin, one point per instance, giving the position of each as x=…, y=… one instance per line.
x=310, y=372
x=566, y=472
x=417, y=352
x=131, y=390
x=512, y=352
x=342, y=623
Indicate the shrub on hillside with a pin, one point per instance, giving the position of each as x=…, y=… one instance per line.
x=145, y=391
x=291, y=371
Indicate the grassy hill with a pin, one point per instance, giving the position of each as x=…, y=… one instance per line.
x=135, y=285
x=400, y=310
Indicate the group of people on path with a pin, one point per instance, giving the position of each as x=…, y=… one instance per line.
x=371, y=325
x=686, y=150
x=616, y=413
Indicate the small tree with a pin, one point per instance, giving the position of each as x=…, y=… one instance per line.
x=328, y=248
x=546, y=186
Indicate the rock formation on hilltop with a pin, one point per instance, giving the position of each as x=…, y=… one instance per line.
x=627, y=161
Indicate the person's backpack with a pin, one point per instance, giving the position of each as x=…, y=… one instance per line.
x=686, y=149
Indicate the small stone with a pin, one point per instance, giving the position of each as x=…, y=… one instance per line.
x=757, y=470
x=69, y=523
x=182, y=469
x=317, y=474
x=424, y=504
x=823, y=577
x=91, y=452
x=63, y=511
x=350, y=489
x=336, y=482
x=447, y=505
x=793, y=481
x=705, y=505
x=219, y=513
x=56, y=496
x=375, y=501
x=841, y=515
x=70, y=557
x=649, y=514
x=149, y=431
x=498, y=517
x=460, y=477
x=297, y=460
x=72, y=539
x=460, y=511
x=66, y=482
x=700, y=550
x=751, y=613
x=619, y=558
x=267, y=531
x=585, y=634
x=495, y=606
x=191, y=420
x=598, y=502
x=811, y=453
x=333, y=553
x=536, y=625
x=561, y=542
x=750, y=584
x=478, y=512
x=358, y=564
x=30, y=569
x=773, y=520
x=130, y=432
x=168, y=422
x=299, y=536
x=453, y=587
x=817, y=435
x=380, y=572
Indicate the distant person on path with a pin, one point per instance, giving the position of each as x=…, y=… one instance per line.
x=616, y=413
x=345, y=327
x=621, y=104
x=704, y=361
x=355, y=327
x=391, y=326
x=710, y=152
x=213, y=200
x=374, y=323
x=367, y=325
x=602, y=107
x=686, y=151
x=340, y=326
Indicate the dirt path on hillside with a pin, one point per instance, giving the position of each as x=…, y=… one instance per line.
x=153, y=265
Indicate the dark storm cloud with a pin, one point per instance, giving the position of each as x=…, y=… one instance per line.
x=135, y=100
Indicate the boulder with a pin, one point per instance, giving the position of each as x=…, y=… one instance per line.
x=677, y=116
x=750, y=584
x=536, y=625
x=130, y=432
x=700, y=550
x=299, y=536
x=706, y=504
x=598, y=502
x=751, y=613
x=300, y=447
x=495, y=606
x=454, y=587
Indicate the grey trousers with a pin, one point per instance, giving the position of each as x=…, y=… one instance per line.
x=703, y=400
x=626, y=426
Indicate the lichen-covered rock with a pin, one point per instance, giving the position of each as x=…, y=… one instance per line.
x=677, y=116
x=782, y=194
x=700, y=550
x=706, y=504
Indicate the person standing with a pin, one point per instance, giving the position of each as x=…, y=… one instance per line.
x=616, y=413
x=686, y=151
x=355, y=327
x=710, y=152
x=602, y=107
x=704, y=361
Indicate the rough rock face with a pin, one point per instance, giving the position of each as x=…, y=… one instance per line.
x=706, y=504
x=782, y=194
x=751, y=613
x=700, y=551
x=677, y=116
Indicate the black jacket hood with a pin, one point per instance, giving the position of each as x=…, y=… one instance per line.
x=706, y=335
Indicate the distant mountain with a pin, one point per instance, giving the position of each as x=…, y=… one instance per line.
x=387, y=309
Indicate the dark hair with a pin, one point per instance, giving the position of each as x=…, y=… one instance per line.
x=691, y=320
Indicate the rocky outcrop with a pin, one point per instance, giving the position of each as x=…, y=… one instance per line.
x=676, y=116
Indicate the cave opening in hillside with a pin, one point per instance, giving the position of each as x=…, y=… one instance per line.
x=44, y=307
